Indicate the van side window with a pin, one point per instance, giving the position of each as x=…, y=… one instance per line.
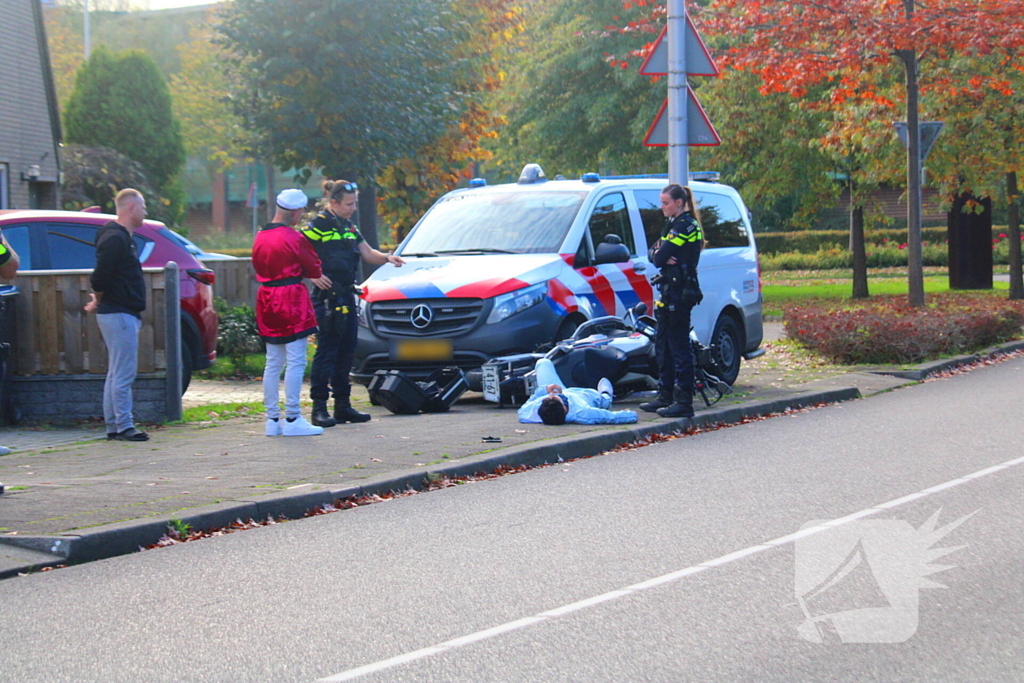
x=722, y=221
x=611, y=218
x=719, y=217
x=649, y=203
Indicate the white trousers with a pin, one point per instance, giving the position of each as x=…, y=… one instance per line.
x=291, y=358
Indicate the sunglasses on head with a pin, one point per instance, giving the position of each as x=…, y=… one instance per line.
x=349, y=187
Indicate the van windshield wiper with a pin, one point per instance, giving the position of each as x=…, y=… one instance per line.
x=426, y=253
x=478, y=250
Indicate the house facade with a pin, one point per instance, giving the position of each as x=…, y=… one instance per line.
x=30, y=132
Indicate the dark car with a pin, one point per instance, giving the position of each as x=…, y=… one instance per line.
x=66, y=240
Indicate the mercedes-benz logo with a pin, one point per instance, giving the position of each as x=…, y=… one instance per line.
x=421, y=316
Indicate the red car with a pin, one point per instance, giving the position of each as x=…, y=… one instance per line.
x=66, y=240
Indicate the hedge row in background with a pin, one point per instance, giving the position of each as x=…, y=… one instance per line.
x=887, y=330
x=885, y=254
x=809, y=241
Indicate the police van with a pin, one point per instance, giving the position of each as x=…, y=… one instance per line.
x=494, y=270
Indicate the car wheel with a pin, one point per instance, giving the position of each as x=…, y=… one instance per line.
x=186, y=366
x=728, y=348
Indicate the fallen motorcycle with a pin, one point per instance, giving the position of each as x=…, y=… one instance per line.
x=621, y=349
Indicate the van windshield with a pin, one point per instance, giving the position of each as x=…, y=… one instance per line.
x=506, y=222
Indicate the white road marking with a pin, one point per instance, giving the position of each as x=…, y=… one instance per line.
x=448, y=645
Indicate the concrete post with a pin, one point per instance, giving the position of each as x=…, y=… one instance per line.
x=172, y=344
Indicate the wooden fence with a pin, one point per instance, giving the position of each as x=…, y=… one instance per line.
x=236, y=281
x=54, y=336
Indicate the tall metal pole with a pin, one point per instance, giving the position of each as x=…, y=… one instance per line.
x=678, y=126
x=87, y=38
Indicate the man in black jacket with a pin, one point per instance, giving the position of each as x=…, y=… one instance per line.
x=118, y=298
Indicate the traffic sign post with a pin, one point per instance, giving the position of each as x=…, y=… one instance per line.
x=681, y=121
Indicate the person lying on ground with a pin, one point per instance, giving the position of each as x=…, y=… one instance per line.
x=554, y=404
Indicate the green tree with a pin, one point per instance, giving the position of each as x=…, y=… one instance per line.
x=410, y=185
x=567, y=105
x=342, y=84
x=93, y=176
x=210, y=128
x=121, y=101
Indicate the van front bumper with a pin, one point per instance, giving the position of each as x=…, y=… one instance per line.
x=520, y=333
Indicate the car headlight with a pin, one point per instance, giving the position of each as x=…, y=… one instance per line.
x=509, y=304
x=361, y=312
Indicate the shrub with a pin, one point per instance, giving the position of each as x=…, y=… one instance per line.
x=237, y=336
x=887, y=330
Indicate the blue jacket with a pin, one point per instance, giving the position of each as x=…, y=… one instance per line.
x=586, y=407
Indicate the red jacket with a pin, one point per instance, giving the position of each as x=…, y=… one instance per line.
x=283, y=311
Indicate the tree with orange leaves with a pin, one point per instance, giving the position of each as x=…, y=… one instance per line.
x=796, y=44
x=410, y=185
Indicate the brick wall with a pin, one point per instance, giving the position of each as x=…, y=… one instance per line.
x=68, y=398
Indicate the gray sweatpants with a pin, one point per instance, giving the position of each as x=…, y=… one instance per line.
x=121, y=335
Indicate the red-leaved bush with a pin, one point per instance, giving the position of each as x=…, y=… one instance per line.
x=887, y=330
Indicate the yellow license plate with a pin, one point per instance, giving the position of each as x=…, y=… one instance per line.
x=422, y=349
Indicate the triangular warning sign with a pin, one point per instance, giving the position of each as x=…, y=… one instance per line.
x=927, y=132
x=699, y=131
x=698, y=59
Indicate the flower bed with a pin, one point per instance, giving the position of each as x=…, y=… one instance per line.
x=887, y=330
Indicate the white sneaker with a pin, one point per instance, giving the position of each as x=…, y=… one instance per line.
x=273, y=427
x=4, y=450
x=605, y=387
x=300, y=427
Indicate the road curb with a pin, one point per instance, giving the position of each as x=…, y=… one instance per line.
x=122, y=538
x=925, y=370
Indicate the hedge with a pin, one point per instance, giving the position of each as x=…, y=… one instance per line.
x=810, y=241
x=887, y=330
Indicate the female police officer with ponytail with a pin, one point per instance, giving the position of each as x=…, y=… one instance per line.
x=676, y=254
x=339, y=245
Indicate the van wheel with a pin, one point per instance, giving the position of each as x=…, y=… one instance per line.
x=726, y=340
x=566, y=329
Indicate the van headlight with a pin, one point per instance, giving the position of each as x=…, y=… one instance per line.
x=361, y=312
x=509, y=304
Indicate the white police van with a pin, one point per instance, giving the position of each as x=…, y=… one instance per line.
x=504, y=269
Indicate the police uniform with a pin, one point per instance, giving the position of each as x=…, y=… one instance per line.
x=336, y=241
x=679, y=291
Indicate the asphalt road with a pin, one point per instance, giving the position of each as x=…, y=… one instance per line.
x=675, y=562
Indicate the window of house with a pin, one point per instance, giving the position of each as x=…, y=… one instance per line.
x=4, y=190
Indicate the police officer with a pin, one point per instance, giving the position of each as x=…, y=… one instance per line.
x=676, y=254
x=339, y=245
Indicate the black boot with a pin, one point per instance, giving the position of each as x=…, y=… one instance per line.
x=682, y=407
x=344, y=412
x=664, y=400
x=322, y=418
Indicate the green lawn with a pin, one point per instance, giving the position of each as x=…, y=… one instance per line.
x=816, y=285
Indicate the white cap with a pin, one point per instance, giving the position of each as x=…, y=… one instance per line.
x=292, y=199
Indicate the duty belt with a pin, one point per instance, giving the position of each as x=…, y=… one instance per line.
x=281, y=282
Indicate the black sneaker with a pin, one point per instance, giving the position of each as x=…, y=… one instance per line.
x=130, y=434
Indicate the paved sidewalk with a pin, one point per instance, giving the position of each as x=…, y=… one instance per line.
x=85, y=499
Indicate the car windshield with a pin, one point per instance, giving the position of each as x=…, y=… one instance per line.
x=492, y=222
